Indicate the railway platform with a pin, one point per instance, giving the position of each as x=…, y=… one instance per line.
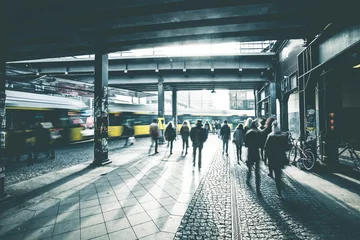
x=164, y=197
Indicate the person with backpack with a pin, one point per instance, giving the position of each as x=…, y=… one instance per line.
x=225, y=136
x=154, y=134
x=185, y=133
x=198, y=137
x=170, y=135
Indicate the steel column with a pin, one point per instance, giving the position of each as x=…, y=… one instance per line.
x=284, y=110
x=256, y=103
x=161, y=109
x=174, y=107
x=101, y=116
x=2, y=121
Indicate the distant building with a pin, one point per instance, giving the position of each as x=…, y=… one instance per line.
x=241, y=100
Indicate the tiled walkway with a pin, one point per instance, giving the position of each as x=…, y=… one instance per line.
x=138, y=198
x=165, y=197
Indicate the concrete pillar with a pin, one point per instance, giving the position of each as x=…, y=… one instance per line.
x=174, y=108
x=2, y=122
x=272, y=100
x=101, y=116
x=161, y=109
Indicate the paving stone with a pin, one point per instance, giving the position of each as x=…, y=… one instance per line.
x=67, y=216
x=159, y=236
x=93, y=231
x=145, y=229
x=125, y=234
x=67, y=226
x=129, y=202
x=107, y=200
x=117, y=224
x=39, y=233
x=23, y=216
x=73, y=235
x=138, y=218
x=133, y=210
x=91, y=220
x=46, y=212
x=114, y=214
x=90, y=211
x=110, y=206
x=14, y=228
x=151, y=205
x=42, y=222
x=168, y=224
x=158, y=213
x=90, y=203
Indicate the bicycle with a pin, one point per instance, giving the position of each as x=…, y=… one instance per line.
x=353, y=155
x=303, y=158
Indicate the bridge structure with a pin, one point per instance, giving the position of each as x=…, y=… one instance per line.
x=39, y=29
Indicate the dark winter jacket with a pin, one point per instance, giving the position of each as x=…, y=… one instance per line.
x=170, y=133
x=185, y=132
x=225, y=132
x=252, y=142
x=275, y=147
x=198, y=136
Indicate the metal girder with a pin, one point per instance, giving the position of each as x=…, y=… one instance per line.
x=63, y=28
x=81, y=67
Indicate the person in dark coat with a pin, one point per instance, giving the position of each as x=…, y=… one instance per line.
x=170, y=135
x=198, y=137
x=275, y=146
x=264, y=132
x=128, y=132
x=238, y=140
x=207, y=127
x=42, y=141
x=185, y=133
x=225, y=136
x=252, y=142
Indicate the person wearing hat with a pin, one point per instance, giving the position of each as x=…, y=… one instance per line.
x=198, y=136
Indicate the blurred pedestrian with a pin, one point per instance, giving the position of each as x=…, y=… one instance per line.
x=275, y=147
x=170, y=135
x=128, y=133
x=185, y=133
x=43, y=140
x=154, y=134
x=207, y=127
x=238, y=140
x=218, y=126
x=225, y=136
x=198, y=137
x=252, y=142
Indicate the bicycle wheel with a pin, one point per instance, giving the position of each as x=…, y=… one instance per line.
x=355, y=158
x=293, y=154
x=308, y=160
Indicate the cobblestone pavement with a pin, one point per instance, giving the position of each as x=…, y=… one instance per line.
x=297, y=216
x=209, y=212
x=65, y=157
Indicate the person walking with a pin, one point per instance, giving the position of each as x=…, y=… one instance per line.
x=154, y=134
x=185, y=133
x=225, y=136
x=207, y=127
x=264, y=132
x=252, y=141
x=218, y=126
x=128, y=133
x=198, y=137
x=170, y=135
x=239, y=139
x=275, y=147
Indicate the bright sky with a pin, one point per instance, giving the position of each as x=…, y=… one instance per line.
x=221, y=99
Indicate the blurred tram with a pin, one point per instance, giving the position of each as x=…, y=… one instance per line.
x=70, y=120
x=140, y=116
